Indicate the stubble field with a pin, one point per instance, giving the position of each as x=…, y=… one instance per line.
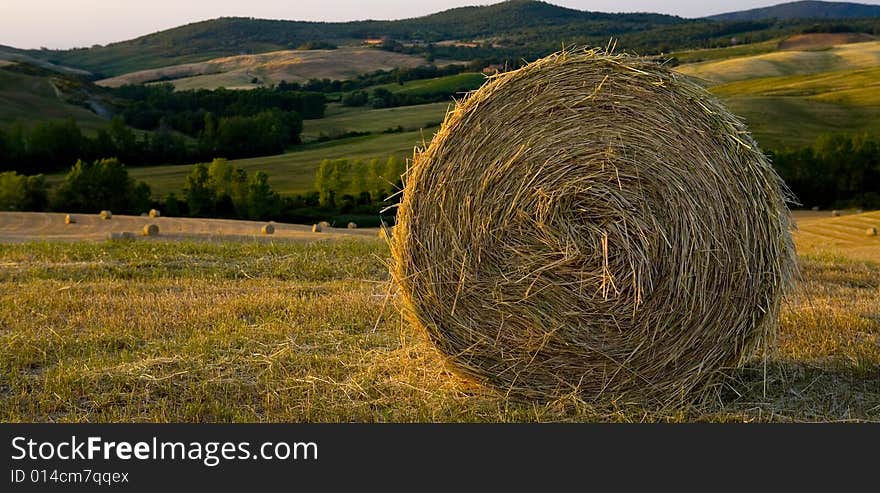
x=233, y=329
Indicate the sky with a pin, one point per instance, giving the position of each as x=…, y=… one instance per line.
x=74, y=23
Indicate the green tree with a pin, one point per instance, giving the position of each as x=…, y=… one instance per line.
x=124, y=139
x=54, y=144
x=140, y=198
x=198, y=193
x=262, y=201
x=103, y=184
x=11, y=191
x=323, y=183
x=171, y=205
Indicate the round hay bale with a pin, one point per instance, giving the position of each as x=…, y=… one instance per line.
x=106, y=215
x=151, y=230
x=815, y=208
x=860, y=211
x=268, y=229
x=352, y=225
x=155, y=213
x=68, y=219
x=316, y=228
x=872, y=231
x=835, y=213
x=593, y=225
x=324, y=224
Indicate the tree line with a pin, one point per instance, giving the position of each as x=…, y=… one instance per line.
x=344, y=189
x=54, y=144
x=837, y=170
x=149, y=107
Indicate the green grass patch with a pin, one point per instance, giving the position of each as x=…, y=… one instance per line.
x=710, y=54
x=467, y=81
x=341, y=120
x=30, y=99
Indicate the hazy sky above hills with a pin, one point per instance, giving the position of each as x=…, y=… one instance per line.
x=69, y=23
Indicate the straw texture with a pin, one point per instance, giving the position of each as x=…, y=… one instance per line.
x=593, y=225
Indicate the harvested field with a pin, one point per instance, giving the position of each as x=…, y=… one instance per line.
x=38, y=226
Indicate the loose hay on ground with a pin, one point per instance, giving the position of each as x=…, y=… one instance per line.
x=597, y=226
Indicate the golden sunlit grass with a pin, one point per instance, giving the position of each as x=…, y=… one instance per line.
x=156, y=331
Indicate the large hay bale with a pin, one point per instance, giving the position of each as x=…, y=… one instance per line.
x=106, y=215
x=316, y=228
x=68, y=219
x=151, y=230
x=324, y=224
x=268, y=229
x=872, y=231
x=835, y=213
x=155, y=213
x=597, y=226
x=352, y=225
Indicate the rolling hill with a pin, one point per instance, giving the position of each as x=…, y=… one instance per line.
x=237, y=36
x=248, y=71
x=787, y=62
x=29, y=94
x=803, y=10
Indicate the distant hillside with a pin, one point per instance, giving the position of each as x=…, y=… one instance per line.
x=803, y=10
x=236, y=36
x=250, y=71
x=503, y=33
x=10, y=55
x=30, y=94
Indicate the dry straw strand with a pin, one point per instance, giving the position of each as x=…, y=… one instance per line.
x=594, y=225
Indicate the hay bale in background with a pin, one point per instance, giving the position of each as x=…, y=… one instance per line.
x=352, y=225
x=151, y=230
x=835, y=213
x=268, y=229
x=106, y=215
x=155, y=213
x=316, y=228
x=68, y=219
x=872, y=231
x=593, y=225
x=324, y=224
